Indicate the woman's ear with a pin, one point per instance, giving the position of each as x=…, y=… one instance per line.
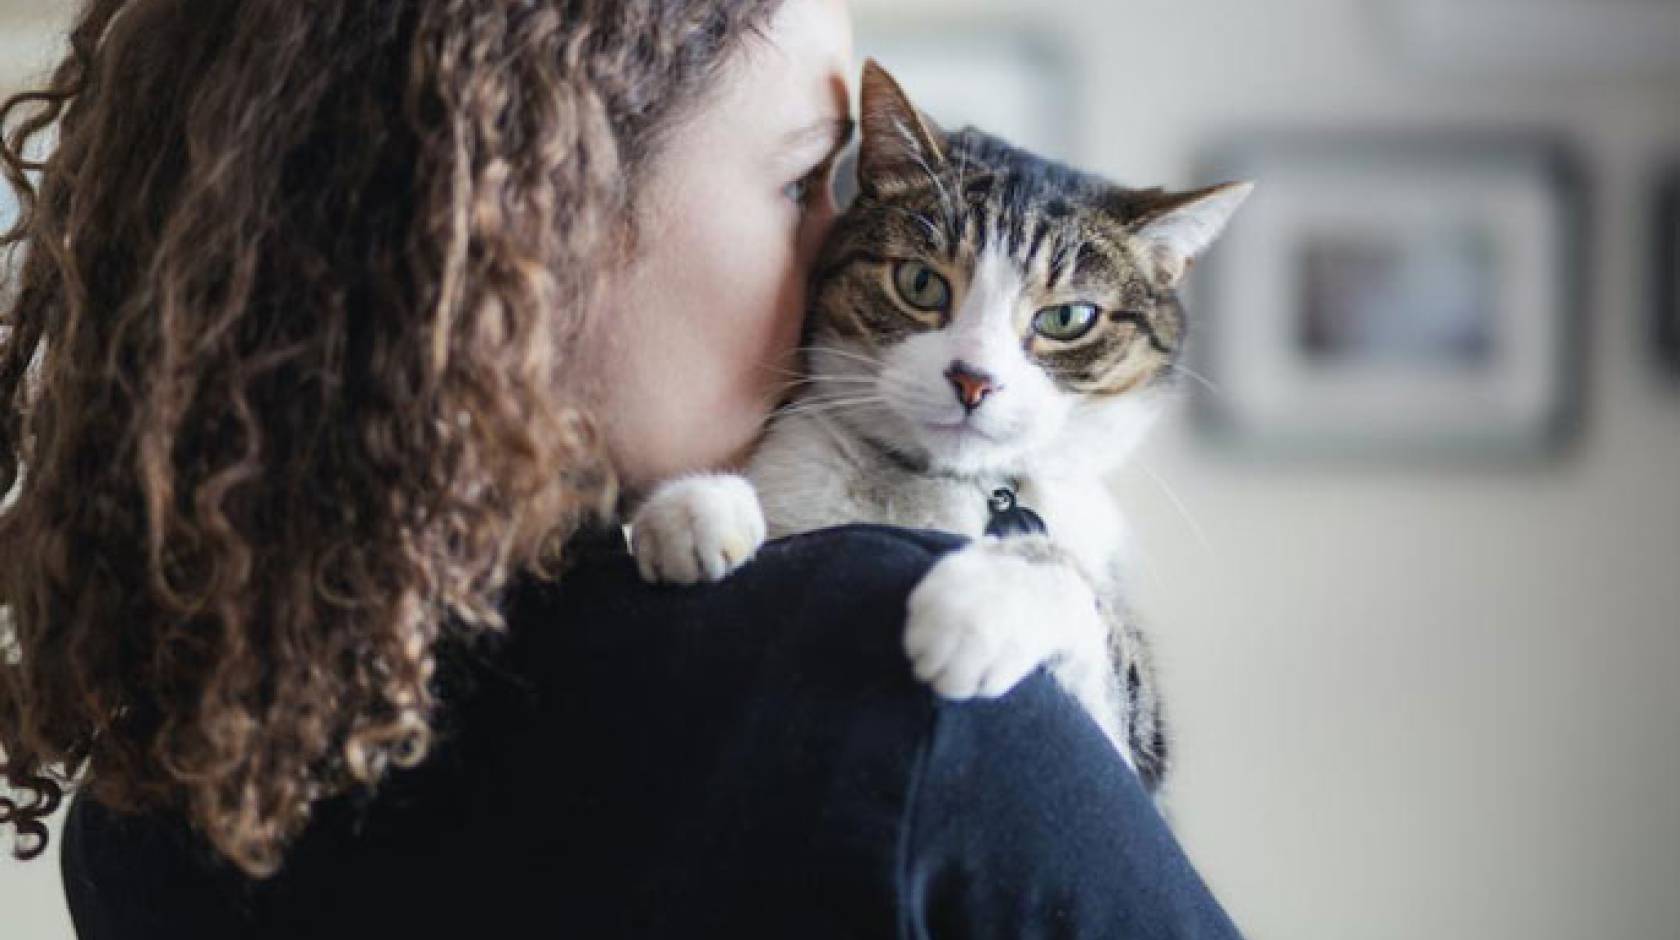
x=1178, y=227
x=899, y=143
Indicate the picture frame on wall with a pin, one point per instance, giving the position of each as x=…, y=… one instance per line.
x=1665, y=267
x=1394, y=294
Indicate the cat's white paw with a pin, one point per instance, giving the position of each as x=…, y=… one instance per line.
x=697, y=528
x=985, y=616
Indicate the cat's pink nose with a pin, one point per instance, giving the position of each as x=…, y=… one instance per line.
x=971, y=385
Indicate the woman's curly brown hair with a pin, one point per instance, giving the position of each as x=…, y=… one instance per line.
x=281, y=374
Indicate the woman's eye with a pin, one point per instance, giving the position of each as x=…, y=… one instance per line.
x=1065, y=322
x=921, y=286
x=802, y=190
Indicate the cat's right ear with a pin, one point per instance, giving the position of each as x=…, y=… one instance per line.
x=899, y=144
x=1178, y=227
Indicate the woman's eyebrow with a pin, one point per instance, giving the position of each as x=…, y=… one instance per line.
x=833, y=132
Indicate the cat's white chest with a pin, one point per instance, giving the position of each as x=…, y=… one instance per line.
x=807, y=479
x=1082, y=516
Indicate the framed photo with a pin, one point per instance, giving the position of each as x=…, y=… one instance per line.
x=1394, y=295
x=1666, y=268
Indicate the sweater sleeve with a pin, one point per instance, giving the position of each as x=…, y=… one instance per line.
x=1026, y=823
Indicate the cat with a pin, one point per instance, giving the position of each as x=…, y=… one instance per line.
x=984, y=325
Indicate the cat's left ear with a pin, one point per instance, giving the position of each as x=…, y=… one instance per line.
x=899, y=143
x=1178, y=227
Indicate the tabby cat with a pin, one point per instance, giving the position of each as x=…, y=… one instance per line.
x=981, y=319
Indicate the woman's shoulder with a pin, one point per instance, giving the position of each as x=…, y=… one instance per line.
x=743, y=759
x=858, y=557
x=839, y=587
x=797, y=653
x=736, y=737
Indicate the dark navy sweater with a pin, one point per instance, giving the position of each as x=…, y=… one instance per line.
x=749, y=759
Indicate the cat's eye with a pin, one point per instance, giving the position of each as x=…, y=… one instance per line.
x=921, y=286
x=1065, y=322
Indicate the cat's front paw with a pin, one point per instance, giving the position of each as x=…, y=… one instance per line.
x=986, y=615
x=697, y=528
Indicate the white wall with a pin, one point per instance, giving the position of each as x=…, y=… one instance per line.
x=1411, y=702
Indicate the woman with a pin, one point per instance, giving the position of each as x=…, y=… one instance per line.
x=340, y=328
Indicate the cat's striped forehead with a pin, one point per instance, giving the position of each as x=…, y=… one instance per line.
x=988, y=194
x=1061, y=231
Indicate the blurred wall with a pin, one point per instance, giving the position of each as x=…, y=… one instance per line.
x=1411, y=702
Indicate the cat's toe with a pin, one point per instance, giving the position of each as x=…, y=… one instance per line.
x=1006, y=669
x=697, y=529
x=962, y=638
x=729, y=530
x=963, y=660
x=664, y=548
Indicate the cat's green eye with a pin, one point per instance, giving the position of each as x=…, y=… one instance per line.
x=921, y=286
x=1065, y=322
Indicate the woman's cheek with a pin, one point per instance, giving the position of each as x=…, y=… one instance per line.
x=768, y=313
x=716, y=337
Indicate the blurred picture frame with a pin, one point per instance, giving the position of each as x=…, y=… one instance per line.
x=1391, y=294
x=1665, y=267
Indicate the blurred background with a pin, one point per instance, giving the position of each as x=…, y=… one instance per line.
x=1410, y=545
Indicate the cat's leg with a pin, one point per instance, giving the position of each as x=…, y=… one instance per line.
x=696, y=528
x=1122, y=691
x=992, y=611
x=1090, y=677
x=1140, y=697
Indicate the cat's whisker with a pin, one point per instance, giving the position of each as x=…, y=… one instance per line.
x=844, y=395
x=926, y=224
x=946, y=204
x=790, y=382
x=853, y=380
x=807, y=389
x=795, y=388
x=1207, y=383
x=799, y=406
x=843, y=353
x=778, y=370
x=1183, y=511
x=962, y=176
x=828, y=411
x=846, y=377
x=824, y=406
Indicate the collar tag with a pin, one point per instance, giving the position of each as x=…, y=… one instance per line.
x=1011, y=518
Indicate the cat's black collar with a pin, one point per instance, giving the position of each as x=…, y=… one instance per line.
x=901, y=460
x=1005, y=515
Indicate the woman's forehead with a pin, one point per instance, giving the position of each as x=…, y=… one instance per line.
x=793, y=80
